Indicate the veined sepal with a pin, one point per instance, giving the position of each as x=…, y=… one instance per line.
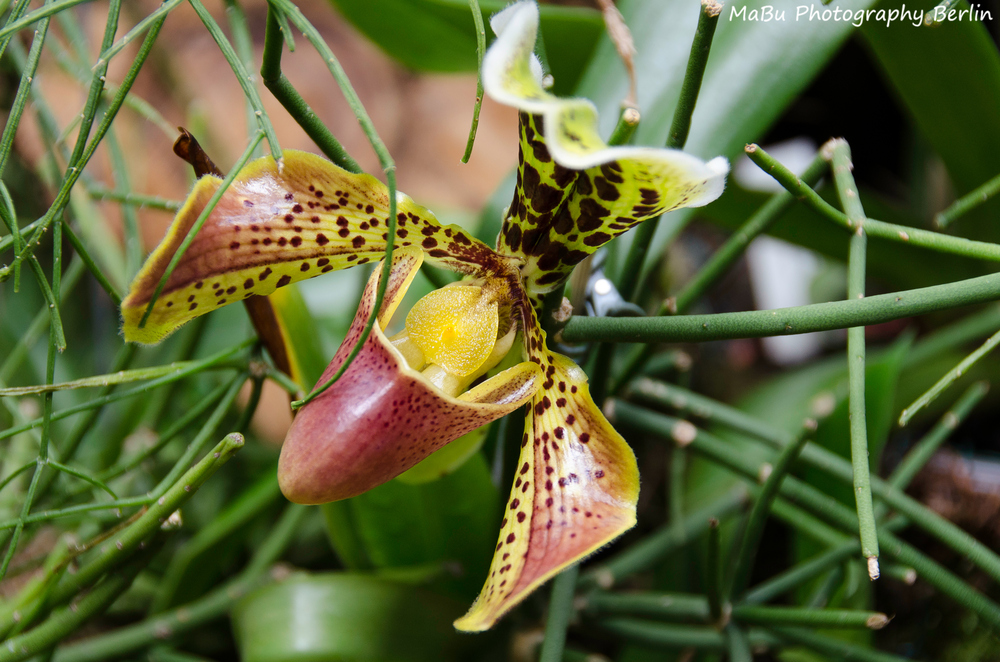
x=382, y=417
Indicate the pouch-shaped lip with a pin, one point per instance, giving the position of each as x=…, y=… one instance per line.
x=382, y=417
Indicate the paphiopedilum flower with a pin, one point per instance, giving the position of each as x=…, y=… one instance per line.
x=404, y=397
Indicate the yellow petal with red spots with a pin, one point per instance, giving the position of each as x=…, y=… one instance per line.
x=576, y=490
x=575, y=193
x=278, y=225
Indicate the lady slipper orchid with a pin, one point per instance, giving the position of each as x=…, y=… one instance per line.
x=405, y=396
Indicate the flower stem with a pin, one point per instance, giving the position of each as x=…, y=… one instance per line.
x=712, y=572
x=784, y=321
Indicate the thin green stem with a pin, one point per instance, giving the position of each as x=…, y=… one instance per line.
x=967, y=203
x=202, y=217
x=46, y=515
x=645, y=553
x=829, y=508
x=55, y=321
x=936, y=241
x=119, y=377
x=701, y=45
x=75, y=168
x=208, y=430
x=122, y=545
x=477, y=18
x=288, y=96
x=243, y=76
x=922, y=451
x=195, y=368
x=784, y=321
x=948, y=379
x=130, y=221
x=738, y=644
x=667, y=606
x=133, y=199
x=754, y=532
x=49, y=9
x=839, y=154
x=385, y=160
x=712, y=573
x=560, y=611
x=673, y=637
x=798, y=575
x=213, y=606
x=92, y=267
x=67, y=620
x=836, y=649
x=628, y=122
x=149, y=23
x=813, y=618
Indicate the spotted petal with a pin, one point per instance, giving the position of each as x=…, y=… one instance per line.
x=576, y=489
x=382, y=417
x=278, y=225
x=574, y=192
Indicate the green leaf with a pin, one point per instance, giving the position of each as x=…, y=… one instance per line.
x=345, y=617
x=439, y=35
x=945, y=76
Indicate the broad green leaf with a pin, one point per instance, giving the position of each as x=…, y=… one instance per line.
x=439, y=35
x=345, y=617
x=947, y=76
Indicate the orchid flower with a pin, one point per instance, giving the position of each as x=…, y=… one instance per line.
x=405, y=396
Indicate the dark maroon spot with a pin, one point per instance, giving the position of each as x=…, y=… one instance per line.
x=285, y=280
x=254, y=242
x=559, y=433
x=190, y=298
x=322, y=240
x=234, y=245
x=548, y=504
x=319, y=194
x=322, y=262
x=193, y=306
x=524, y=469
x=304, y=267
x=548, y=484
x=570, y=419
x=584, y=437
x=358, y=242
x=599, y=474
x=297, y=209
x=343, y=232
x=326, y=269
x=296, y=241
x=289, y=197
x=267, y=241
x=514, y=504
x=561, y=402
x=520, y=517
x=248, y=283
x=247, y=203
x=231, y=290
x=511, y=538
x=369, y=209
x=170, y=303
x=289, y=218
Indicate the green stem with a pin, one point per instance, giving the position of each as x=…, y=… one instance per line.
x=669, y=606
x=151, y=23
x=202, y=217
x=75, y=168
x=836, y=649
x=762, y=507
x=213, y=606
x=902, y=233
x=701, y=45
x=967, y=203
x=292, y=101
x=922, y=451
x=948, y=379
x=830, y=509
x=385, y=160
x=646, y=552
x=67, y=620
x=118, y=377
x=798, y=575
x=101, y=401
x=95, y=271
x=628, y=122
x=133, y=199
x=477, y=18
x=712, y=572
x=121, y=546
x=560, y=611
x=738, y=644
x=784, y=321
x=840, y=161
x=672, y=637
x=812, y=618
x=248, y=505
x=242, y=76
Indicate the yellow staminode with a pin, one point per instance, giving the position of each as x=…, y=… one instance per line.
x=455, y=327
